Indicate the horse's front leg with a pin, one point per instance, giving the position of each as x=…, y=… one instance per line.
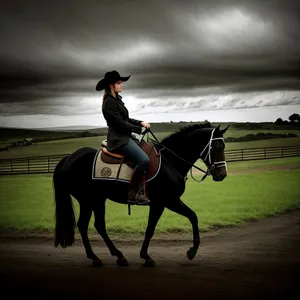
x=179, y=207
x=155, y=213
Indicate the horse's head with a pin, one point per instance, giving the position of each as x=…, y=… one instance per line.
x=213, y=154
x=197, y=141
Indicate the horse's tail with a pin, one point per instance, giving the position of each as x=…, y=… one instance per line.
x=64, y=211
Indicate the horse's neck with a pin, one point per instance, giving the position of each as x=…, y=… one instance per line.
x=184, y=151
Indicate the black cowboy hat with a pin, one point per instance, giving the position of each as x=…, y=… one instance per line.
x=110, y=78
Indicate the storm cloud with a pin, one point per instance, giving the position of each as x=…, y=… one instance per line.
x=53, y=53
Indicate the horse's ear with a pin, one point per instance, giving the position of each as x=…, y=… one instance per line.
x=224, y=130
x=217, y=128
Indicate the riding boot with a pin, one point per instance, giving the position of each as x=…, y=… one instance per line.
x=134, y=195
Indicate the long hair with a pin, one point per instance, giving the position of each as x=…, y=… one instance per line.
x=106, y=92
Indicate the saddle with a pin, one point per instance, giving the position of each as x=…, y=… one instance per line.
x=117, y=158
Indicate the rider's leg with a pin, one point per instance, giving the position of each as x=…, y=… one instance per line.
x=141, y=163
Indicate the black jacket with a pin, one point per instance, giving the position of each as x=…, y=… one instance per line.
x=120, y=126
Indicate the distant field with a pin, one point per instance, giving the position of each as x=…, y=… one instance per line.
x=11, y=133
x=52, y=147
x=69, y=145
x=7, y=142
x=27, y=200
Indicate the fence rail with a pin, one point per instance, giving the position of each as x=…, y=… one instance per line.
x=46, y=164
x=30, y=165
x=262, y=153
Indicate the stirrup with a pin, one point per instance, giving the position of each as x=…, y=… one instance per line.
x=137, y=200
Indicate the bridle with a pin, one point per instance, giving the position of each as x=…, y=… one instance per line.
x=211, y=166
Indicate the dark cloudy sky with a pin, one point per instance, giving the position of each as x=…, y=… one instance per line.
x=188, y=60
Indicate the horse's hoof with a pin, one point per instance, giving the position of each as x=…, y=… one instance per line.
x=191, y=253
x=122, y=262
x=97, y=263
x=150, y=263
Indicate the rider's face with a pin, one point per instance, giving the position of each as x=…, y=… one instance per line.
x=118, y=86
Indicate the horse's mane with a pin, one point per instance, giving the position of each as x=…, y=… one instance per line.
x=182, y=132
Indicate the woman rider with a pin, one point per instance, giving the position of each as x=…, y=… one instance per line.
x=120, y=127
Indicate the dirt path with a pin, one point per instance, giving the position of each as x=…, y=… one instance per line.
x=260, y=260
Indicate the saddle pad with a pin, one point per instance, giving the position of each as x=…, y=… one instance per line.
x=102, y=170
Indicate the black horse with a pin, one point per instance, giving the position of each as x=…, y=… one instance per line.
x=179, y=151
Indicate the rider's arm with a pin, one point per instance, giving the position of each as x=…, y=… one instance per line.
x=135, y=122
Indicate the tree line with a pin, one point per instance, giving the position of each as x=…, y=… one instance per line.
x=294, y=118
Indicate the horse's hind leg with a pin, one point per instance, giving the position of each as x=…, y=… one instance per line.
x=82, y=224
x=99, y=214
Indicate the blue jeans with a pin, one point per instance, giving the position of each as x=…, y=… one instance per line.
x=134, y=153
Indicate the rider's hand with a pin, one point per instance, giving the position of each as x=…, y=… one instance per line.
x=143, y=130
x=145, y=124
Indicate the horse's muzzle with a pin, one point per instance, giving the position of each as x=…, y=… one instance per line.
x=220, y=176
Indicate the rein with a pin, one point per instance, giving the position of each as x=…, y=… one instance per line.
x=209, y=170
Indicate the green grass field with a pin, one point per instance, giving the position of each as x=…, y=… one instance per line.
x=263, y=190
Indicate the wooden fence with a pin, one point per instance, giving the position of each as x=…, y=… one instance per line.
x=30, y=165
x=46, y=164
x=262, y=153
